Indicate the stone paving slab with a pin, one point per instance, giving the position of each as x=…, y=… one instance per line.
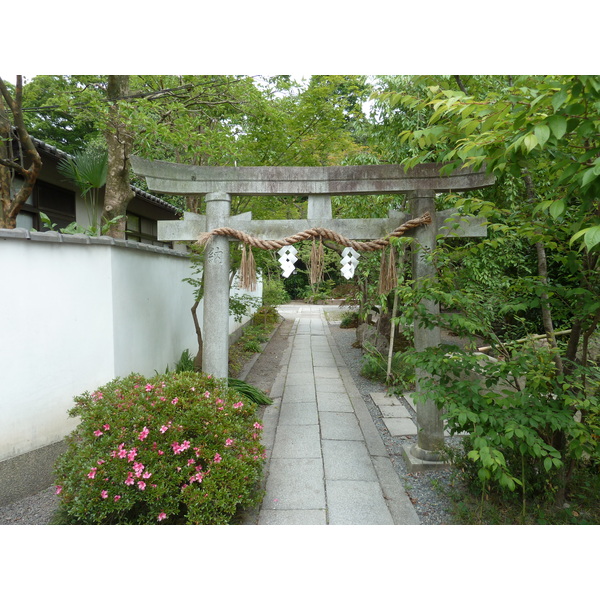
x=298, y=393
x=297, y=441
x=400, y=426
x=326, y=372
x=293, y=517
x=395, y=411
x=348, y=460
x=295, y=484
x=382, y=399
x=300, y=378
x=409, y=398
x=329, y=385
x=357, y=503
x=299, y=413
x=340, y=426
x=333, y=402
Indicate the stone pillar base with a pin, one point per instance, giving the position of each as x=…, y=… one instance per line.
x=418, y=460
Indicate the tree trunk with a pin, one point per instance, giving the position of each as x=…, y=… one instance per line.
x=198, y=359
x=119, y=141
x=11, y=205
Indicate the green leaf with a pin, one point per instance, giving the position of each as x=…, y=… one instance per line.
x=547, y=463
x=592, y=237
x=542, y=133
x=559, y=99
x=530, y=141
x=588, y=176
x=545, y=205
x=558, y=125
x=557, y=208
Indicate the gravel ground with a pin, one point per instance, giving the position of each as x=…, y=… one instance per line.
x=426, y=490
x=33, y=510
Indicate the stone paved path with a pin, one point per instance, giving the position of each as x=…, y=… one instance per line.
x=326, y=462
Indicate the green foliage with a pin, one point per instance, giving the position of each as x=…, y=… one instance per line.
x=249, y=391
x=266, y=315
x=253, y=337
x=547, y=127
x=349, y=320
x=274, y=292
x=88, y=170
x=176, y=448
x=74, y=228
x=375, y=366
x=516, y=411
x=185, y=362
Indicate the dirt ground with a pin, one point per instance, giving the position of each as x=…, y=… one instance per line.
x=264, y=371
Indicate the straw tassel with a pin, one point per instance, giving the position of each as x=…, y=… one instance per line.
x=248, y=269
x=388, y=277
x=317, y=260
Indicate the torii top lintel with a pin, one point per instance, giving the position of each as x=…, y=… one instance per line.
x=175, y=178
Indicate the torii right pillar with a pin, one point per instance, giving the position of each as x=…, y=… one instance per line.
x=427, y=452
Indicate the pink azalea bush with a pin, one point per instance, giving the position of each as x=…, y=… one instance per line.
x=176, y=448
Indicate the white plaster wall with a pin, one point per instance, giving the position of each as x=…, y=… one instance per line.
x=74, y=316
x=55, y=341
x=152, y=320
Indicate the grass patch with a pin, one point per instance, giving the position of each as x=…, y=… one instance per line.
x=254, y=336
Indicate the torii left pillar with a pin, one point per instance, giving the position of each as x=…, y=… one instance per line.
x=216, y=288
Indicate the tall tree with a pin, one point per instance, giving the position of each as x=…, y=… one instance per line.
x=26, y=164
x=119, y=141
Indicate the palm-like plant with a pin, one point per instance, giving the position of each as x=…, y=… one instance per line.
x=88, y=171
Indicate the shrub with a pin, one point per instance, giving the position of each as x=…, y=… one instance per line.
x=177, y=448
x=274, y=293
x=349, y=320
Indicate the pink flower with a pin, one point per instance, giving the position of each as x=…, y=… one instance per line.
x=220, y=408
x=161, y=452
x=162, y=516
x=106, y=426
x=164, y=428
x=238, y=405
x=197, y=477
x=207, y=394
x=92, y=473
x=217, y=458
x=117, y=498
x=142, y=485
x=179, y=448
x=98, y=433
x=131, y=455
x=143, y=434
x=100, y=462
x=175, y=401
x=129, y=480
x=193, y=389
x=257, y=426
x=191, y=461
x=228, y=442
x=58, y=489
x=146, y=475
x=219, y=401
x=104, y=494
x=138, y=468
x=149, y=387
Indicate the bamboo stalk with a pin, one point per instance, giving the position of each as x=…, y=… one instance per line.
x=531, y=337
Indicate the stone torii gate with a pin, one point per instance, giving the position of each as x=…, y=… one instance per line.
x=318, y=183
